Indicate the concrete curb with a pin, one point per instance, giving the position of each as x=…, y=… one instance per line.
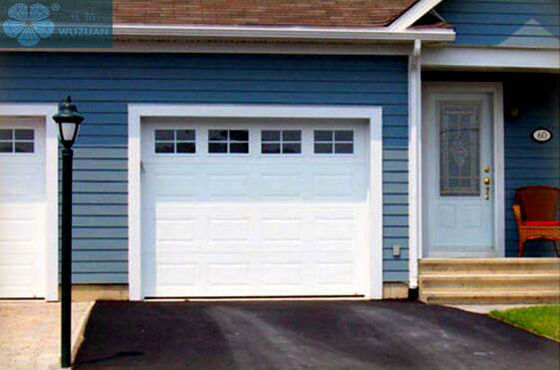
x=78, y=331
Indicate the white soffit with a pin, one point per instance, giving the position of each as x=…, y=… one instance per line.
x=547, y=60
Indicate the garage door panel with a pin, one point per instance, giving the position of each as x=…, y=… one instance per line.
x=17, y=186
x=176, y=187
x=228, y=186
x=21, y=255
x=226, y=230
x=178, y=275
x=339, y=273
x=252, y=224
x=222, y=274
x=17, y=230
x=285, y=231
x=331, y=185
x=334, y=229
x=287, y=185
x=283, y=274
x=182, y=230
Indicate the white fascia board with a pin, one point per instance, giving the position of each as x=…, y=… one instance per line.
x=477, y=58
x=280, y=33
x=413, y=14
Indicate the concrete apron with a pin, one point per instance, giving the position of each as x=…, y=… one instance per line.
x=30, y=333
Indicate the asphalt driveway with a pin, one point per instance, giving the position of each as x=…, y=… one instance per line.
x=305, y=335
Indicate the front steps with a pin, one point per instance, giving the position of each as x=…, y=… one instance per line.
x=489, y=280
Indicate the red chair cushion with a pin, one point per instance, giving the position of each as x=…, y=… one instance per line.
x=541, y=223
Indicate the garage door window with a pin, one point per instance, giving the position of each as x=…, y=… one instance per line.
x=281, y=142
x=17, y=141
x=333, y=141
x=228, y=141
x=175, y=141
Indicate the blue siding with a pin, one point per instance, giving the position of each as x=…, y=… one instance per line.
x=525, y=23
x=537, y=97
x=103, y=85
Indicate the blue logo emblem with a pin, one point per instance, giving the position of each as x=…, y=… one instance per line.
x=28, y=24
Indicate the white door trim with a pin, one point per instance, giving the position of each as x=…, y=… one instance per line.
x=50, y=254
x=375, y=192
x=496, y=89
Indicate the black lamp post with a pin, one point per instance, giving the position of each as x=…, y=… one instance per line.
x=69, y=122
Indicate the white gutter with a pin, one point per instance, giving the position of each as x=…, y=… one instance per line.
x=280, y=33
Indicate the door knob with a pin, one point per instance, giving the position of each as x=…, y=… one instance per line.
x=487, y=181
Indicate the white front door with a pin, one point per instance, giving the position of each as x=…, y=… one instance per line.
x=459, y=175
x=22, y=208
x=254, y=207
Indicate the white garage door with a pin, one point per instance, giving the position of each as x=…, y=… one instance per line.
x=22, y=208
x=254, y=208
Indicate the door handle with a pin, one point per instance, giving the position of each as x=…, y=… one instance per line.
x=487, y=181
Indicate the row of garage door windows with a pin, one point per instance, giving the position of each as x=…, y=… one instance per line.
x=223, y=141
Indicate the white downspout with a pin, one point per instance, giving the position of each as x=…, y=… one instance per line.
x=415, y=162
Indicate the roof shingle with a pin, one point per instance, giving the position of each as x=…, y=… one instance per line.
x=305, y=13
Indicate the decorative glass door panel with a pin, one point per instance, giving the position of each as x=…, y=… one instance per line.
x=459, y=183
x=459, y=134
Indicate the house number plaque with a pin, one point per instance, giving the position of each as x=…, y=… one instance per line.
x=541, y=135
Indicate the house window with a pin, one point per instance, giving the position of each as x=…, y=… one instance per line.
x=281, y=142
x=228, y=141
x=334, y=141
x=175, y=141
x=17, y=141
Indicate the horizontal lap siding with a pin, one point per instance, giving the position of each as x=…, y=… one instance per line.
x=537, y=97
x=532, y=23
x=529, y=163
x=103, y=85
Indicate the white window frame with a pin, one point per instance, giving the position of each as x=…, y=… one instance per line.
x=281, y=142
x=175, y=142
x=334, y=142
x=14, y=141
x=371, y=114
x=50, y=253
x=228, y=142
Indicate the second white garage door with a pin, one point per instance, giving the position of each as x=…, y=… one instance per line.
x=254, y=208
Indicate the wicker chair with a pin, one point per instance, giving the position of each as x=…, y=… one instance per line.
x=537, y=212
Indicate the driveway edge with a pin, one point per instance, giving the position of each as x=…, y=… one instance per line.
x=78, y=331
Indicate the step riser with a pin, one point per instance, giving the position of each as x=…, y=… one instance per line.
x=488, y=300
x=481, y=269
x=492, y=285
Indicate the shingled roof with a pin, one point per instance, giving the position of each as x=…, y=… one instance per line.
x=287, y=13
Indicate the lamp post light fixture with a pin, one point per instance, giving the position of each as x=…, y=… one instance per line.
x=68, y=120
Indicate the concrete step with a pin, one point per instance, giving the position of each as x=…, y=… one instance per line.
x=494, y=297
x=491, y=282
x=489, y=266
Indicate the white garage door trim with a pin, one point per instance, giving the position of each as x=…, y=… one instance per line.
x=50, y=254
x=375, y=192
